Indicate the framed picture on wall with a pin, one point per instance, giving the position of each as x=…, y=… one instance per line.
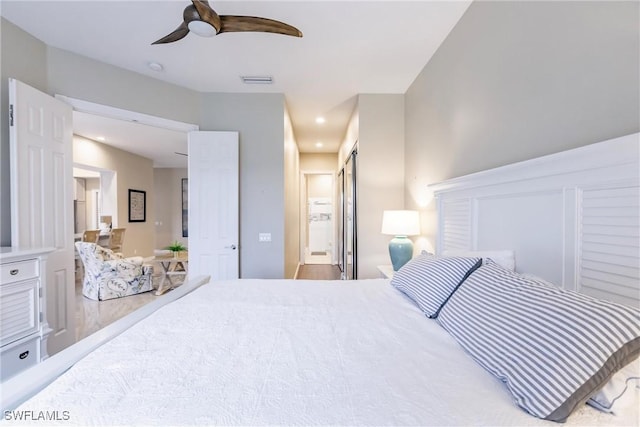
x=137, y=206
x=185, y=207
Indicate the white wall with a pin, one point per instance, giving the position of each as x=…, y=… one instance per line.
x=91, y=186
x=311, y=162
x=380, y=175
x=167, y=190
x=377, y=125
x=291, y=200
x=350, y=138
x=517, y=80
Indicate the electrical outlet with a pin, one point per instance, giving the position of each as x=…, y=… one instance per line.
x=264, y=237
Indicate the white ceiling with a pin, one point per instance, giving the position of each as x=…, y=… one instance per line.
x=349, y=47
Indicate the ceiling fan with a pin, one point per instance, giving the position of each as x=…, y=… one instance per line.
x=200, y=18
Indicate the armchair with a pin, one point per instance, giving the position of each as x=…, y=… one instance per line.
x=108, y=274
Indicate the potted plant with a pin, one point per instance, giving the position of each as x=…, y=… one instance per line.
x=176, y=247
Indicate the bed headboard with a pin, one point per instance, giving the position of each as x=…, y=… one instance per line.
x=572, y=218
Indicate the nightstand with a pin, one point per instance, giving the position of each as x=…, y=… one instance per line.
x=386, y=271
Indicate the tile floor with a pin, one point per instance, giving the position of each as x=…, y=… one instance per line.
x=92, y=316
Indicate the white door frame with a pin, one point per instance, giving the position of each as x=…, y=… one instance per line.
x=127, y=115
x=303, y=212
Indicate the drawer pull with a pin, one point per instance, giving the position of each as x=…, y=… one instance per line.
x=14, y=272
x=24, y=355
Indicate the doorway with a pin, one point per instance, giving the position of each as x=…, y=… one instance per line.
x=106, y=172
x=318, y=213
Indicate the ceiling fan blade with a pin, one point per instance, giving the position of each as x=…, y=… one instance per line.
x=232, y=23
x=207, y=14
x=176, y=35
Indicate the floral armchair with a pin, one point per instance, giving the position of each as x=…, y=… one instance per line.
x=108, y=274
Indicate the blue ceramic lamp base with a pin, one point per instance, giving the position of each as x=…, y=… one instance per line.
x=401, y=251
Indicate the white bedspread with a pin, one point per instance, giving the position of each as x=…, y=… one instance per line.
x=263, y=352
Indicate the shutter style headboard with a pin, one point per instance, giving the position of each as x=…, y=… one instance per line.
x=572, y=218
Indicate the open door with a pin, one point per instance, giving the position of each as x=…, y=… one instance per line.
x=214, y=205
x=41, y=160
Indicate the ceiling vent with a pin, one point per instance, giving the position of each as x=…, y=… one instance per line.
x=257, y=80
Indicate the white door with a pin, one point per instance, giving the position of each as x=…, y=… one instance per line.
x=42, y=198
x=213, y=205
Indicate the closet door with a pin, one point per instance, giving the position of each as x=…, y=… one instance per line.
x=351, y=211
x=341, y=228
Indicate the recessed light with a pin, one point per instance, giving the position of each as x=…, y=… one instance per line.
x=319, y=144
x=101, y=138
x=320, y=120
x=155, y=66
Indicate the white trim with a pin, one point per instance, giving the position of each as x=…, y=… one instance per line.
x=126, y=115
x=21, y=387
x=303, y=216
x=537, y=209
x=614, y=152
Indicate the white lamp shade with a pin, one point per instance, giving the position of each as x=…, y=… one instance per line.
x=401, y=223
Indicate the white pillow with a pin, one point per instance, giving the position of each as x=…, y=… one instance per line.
x=504, y=258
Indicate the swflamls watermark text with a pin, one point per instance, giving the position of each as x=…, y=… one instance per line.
x=37, y=416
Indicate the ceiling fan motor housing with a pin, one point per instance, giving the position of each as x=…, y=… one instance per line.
x=198, y=24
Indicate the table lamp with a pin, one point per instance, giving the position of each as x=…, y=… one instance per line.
x=400, y=224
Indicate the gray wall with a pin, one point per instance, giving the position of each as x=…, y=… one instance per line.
x=80, y=77
x=259, y=118
x=30, y=69
x=518, y=80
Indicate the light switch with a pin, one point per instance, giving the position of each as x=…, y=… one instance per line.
x=264, y=237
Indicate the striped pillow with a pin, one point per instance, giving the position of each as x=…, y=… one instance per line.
x=552, y=348
x=429, y=280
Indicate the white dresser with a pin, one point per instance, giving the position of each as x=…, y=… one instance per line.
x=23, y=324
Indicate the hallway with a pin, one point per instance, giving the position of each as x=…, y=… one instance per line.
x=318, y=272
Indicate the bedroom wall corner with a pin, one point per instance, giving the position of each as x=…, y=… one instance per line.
x=566, y=76
x=30, y=69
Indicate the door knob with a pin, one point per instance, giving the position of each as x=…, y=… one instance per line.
x=232, y=247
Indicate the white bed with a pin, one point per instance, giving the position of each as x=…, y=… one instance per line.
x=271, y=352
x=257, y=352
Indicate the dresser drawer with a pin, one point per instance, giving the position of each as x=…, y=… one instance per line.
x=19, y=357
x=19, y=310
x=16, y=271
